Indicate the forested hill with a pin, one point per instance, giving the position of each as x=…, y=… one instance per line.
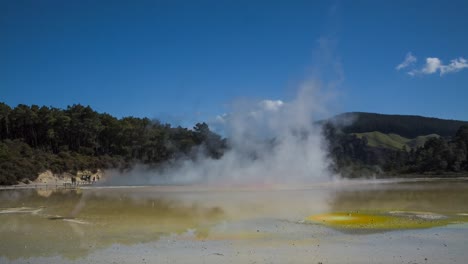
x=404, y=125
x=367, y=144
x=37, y=138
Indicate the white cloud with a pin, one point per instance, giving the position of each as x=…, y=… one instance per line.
x=262, y=108
x=434, y=65
x=271, y=105
x=454, y=66
x=413, y=72
x=409, y=60
x=221, y=118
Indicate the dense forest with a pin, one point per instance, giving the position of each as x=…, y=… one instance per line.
x=34, y=139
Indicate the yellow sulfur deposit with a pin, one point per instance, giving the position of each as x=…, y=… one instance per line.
x=379, y=221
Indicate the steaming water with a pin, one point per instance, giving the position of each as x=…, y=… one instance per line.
x=198, y=224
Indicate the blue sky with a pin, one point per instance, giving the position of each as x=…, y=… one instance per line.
x=185, y=61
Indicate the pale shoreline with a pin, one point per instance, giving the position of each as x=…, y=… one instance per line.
x=49, y=180
x=61, y=182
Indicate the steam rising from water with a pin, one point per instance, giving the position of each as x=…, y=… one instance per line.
x=271, y=142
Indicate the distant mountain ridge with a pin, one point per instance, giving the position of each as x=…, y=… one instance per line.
x=408, y=126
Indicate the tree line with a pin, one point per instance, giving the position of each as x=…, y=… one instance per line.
x=34, y=139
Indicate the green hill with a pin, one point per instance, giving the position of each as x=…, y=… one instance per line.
x=420, y=141
x=393, y=141
x=407, y=126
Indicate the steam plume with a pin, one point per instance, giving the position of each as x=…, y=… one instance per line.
x=271, y=142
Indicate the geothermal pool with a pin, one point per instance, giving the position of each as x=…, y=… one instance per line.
x=419, y=221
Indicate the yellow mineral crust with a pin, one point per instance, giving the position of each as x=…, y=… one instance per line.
x=383, y=221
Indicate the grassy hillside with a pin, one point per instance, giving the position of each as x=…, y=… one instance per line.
x=393, y=141
x=405, y=125
x=420, y=140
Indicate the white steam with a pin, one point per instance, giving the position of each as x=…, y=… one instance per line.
x=270, y=142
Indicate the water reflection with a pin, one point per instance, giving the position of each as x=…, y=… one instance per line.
x=431, y=196
x=73, y=223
